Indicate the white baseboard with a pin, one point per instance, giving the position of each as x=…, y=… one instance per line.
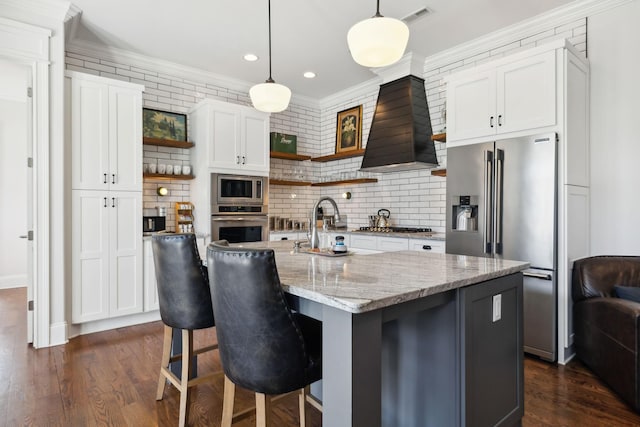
x=58, y=334
x=15, y=281
x=75, y=330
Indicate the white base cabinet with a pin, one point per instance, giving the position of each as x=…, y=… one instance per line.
x=150, y=283
x=107, y=254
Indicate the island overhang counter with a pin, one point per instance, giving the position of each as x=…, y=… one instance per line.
x=411, y=338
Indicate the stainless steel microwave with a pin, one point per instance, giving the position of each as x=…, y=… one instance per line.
x=238, y=190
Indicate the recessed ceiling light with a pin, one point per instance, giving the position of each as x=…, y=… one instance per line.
x=250, y=57
x=309, y=74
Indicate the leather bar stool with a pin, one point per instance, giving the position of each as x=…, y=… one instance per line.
x=264, y=346
x=185, y=304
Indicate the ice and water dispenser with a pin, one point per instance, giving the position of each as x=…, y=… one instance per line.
x=465, y=213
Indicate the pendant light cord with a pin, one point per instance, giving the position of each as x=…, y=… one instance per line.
x=377, y=15
x=270, y=79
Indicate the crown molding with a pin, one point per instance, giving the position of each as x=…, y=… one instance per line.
x=562, y=15
x=113, y=54
x=55, y=9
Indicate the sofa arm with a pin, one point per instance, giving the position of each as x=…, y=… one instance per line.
x=615, y=317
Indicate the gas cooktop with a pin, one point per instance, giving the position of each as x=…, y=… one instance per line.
x=395, y=230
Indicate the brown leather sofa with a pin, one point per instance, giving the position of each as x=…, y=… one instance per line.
x=607, y=328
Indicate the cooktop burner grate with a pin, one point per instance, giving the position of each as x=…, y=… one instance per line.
x=395, y=229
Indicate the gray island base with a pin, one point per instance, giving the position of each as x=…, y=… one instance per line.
x=412, y=339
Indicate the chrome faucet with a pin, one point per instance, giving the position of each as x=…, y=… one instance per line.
x=313, y=229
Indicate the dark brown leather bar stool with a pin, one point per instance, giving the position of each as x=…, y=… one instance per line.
x=264, y=346
x=185, y=303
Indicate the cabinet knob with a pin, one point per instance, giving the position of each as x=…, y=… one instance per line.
x=105, y=202
x=237, y=160
x=113, y=178
x=244, y=160
x=426, y=247
x=491, y=121
x=105, y=179
x=113, y=202
x=500, y=120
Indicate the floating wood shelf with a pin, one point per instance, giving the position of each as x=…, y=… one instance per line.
x=338, y=156
x=345, y=182
x=166, y=177
x=167, y=142
x=439, y=172
x=287, y=156
x=323, y=184
x=440, y=137
x=287, y=182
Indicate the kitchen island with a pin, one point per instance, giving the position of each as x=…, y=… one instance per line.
x=411, y=338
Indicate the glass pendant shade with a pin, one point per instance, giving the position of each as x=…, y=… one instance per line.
x=378, y=41
x=270, y=97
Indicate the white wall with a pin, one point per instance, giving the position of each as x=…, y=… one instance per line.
x=13, y=173
x=615, y=130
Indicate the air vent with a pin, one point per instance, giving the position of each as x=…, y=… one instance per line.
x=414, y=16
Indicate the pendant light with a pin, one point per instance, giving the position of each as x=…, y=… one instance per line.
x=270, y=96
x=378, y=41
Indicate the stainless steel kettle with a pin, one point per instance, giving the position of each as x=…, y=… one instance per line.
x=382, y=219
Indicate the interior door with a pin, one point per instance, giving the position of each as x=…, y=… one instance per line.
x=29, y=218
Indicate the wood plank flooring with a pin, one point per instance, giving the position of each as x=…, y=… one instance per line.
x=109, y=379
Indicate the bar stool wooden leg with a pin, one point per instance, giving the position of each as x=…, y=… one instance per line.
x=302, y=400
x=166, y=355
x=227, y=402
x=187, y=351
x=263, y=410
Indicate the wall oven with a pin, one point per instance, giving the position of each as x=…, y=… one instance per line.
x=240, y=228
x=239, y=208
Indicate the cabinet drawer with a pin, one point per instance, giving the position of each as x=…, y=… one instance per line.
x=284, y=236
x=436, y=246
x=389, y=244
x=364, y=242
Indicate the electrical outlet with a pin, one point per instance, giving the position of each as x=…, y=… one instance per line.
x=497, y=307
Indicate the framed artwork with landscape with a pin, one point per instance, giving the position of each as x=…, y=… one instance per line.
x=349, y=130
x=164, y=125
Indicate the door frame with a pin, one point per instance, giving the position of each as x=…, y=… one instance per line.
x=29, y=45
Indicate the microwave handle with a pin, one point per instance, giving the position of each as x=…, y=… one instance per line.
x=259, y=189
x=239, y=218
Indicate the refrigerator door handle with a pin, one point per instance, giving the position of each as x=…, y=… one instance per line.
x=537, y=275
x=499, y=194
x=488, y=175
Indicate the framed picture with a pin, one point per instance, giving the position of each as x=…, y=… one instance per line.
x=164, y=125
x=349, y=130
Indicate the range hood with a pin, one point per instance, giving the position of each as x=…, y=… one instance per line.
x=400, y=135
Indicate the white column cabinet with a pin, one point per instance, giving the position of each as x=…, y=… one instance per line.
x=106, y=133
x=495, y=100
x=106, y=254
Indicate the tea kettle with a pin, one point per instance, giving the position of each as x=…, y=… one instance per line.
x=382, y=219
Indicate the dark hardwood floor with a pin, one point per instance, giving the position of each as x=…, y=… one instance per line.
x=109, y=379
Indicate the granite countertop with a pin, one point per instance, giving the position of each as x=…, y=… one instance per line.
x=359, y=283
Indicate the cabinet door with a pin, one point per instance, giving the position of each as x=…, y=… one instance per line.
x=90, y=256
x=471, y=106
x=125, y=249
x=224, y=152
x=89, y=135
x=150, y=283
x=255, y=139
x=125, y=139
x=527, y=93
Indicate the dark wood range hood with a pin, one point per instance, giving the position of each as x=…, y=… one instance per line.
x=400, y=135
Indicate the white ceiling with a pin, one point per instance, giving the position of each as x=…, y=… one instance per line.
x=213, y=35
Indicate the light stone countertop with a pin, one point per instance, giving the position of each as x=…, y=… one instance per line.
x=358, y=283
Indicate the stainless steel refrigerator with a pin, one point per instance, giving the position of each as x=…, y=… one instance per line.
x=501, y=202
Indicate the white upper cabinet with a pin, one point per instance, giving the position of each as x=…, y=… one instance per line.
x=106, y=133
x=234, y=137
x=505, y=98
